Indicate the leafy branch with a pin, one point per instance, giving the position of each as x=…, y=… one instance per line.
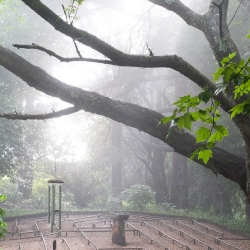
x=191, y=109
x=70, y=13
x=71, y=10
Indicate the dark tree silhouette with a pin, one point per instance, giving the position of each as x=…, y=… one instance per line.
x=214, y=26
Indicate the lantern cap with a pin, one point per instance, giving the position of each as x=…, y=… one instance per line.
x=55, y=181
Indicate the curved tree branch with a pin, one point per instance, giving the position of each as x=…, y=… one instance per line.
x=189, y=16
x=129, y=114
x=77, y=34
x=121, y=59
x=167, y=61
x=210, y=24
x=46, y=116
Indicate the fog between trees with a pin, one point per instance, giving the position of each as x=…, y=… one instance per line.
x=125, y=91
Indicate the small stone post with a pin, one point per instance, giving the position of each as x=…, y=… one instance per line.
x=118, y=229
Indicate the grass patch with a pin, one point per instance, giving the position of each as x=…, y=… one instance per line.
x=239, y=224
x=235, y=223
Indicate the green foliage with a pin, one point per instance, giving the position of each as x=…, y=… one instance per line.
x=40, y=192
x=190, y=109
x=139, y=196
x=10, y=188
x=3, y=225
x=71, y=10
x=239, y=75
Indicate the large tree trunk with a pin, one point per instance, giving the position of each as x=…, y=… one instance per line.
x=179, y=188
x=159, y=176
x=26, y=171
x=247, y=211
x=116, y=138
x=222, y=200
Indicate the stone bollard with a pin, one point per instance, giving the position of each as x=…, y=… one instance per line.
x=118, y=229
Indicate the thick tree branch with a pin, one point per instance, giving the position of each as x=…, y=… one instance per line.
x=77, y=34
x=16, y=116
x=121, y=59
x=143, y=119
x=174, y=62
x=189, y=16
x=216, y=26
x=210, y=24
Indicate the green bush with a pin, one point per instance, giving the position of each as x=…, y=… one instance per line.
x=139, y=196
x=10, y=189
x=3, y=225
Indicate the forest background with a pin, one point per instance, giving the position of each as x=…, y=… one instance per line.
x=97, y=157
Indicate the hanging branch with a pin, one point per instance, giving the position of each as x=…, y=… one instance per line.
x=77, y=50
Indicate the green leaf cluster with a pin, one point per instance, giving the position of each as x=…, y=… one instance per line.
x=3, y=225
x=189, y=110
x=239, y=75
x=72, y=9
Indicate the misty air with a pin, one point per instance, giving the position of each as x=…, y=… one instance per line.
x=124, y=124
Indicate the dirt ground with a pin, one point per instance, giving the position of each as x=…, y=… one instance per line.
x=94, y=231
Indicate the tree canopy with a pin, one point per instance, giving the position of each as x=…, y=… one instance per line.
x=213, y=24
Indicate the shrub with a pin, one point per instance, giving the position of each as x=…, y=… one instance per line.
x=139, y=196
x=3, y=225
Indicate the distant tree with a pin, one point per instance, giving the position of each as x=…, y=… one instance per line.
x=213, y=24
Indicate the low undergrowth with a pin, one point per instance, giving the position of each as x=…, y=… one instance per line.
x=236, y=223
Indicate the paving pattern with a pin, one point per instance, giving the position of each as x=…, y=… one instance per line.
x=93, y=232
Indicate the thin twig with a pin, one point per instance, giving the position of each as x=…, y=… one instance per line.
x=62, y=59
x=77, y=50
x=65, y=13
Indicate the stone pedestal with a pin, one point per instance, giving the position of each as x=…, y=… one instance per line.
x=118, y=229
